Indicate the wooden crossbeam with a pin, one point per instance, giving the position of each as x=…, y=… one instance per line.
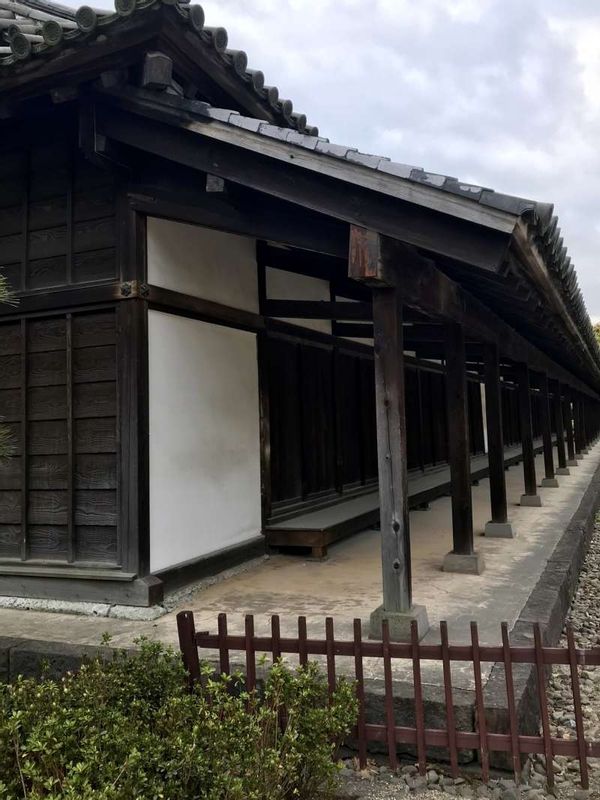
x=318, y=309
x=392, y=263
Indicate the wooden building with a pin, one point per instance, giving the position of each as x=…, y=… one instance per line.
x=225, y=321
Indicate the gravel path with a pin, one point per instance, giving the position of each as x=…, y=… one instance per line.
x=379, y=783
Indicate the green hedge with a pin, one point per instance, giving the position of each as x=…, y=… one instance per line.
x=128, y=729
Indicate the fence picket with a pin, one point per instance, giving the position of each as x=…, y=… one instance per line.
x=223, y=649
x=510, y=702
x=450, y=718
x=389, y=695
x=543, y=701
x=419, y=708
x=480, y=705
x=329, y=640
x=581, y=745
x=302, y=637
x=360, y=694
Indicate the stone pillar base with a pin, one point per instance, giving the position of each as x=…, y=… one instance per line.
x=572, y=462
x=585, y=451
x=550, y=483
x=531, y=500
x=472, y=564
x=563, y=471
x=500, y=530
x=399, y=623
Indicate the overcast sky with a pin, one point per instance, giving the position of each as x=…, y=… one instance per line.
x=503, y=93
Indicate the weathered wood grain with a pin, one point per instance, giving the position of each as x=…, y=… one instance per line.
x=95, y=507
x=96, y=543
x=95, y=435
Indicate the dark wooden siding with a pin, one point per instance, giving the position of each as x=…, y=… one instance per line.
x=57, y=211
x=58, y=394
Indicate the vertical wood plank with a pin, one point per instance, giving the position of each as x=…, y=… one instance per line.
x=250, y=654
x=223, y=648
x=389, y=696
x=448, y=694
x=391, y=449
x=187, y=644
x=480, y=705
x=24, y=550
x=71, y=543
x=495, y=436
x=543, y=701
x=329, y=646
x=276, y=637
x=418, y=690
x=459, y=450
x=581, y=744
x=360, y=694
x=510, y=699
x=302, y=637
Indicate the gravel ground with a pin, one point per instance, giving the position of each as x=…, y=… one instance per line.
x=379, y=783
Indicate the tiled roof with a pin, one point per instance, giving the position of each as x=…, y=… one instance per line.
x=542, y=222
x=39, y=29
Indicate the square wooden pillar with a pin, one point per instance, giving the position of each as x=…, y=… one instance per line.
x=499, y=525
x=549, y=480
x=373, y=259
x=568, y=420
x=530, y=497
x=559, y=424
x=463, y=557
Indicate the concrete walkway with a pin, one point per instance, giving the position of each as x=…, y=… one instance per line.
x=348, y=584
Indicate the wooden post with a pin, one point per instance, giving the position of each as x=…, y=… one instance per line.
x=577, y=432
x=549, y=480
x=559, y=424
x=568, y=420
x=499, y=525
x=373, y=260
x=530, y=497
x=463, y=557
x=391, y=449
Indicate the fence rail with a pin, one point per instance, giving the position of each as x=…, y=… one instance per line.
x=513, y=742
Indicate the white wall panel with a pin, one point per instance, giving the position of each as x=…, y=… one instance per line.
x=203, y=263
x=204, y=439
x=283, y=285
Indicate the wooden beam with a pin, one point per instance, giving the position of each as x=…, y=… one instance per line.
x=318, y=309
x=568, y=419
x=428, y=289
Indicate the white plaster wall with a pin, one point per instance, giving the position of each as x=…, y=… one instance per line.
x=202, y=262
x=204, y=439
x=283, y=285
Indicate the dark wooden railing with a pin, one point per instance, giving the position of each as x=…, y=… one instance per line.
x=481, y=740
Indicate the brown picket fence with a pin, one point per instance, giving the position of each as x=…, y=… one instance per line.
x=420, y=737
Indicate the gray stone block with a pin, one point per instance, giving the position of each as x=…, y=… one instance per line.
x=6, y=645
x=533, y=500
x=550, y=483
x=563, y=471
x=572, y=462
x=399, y=623
x=500, y=530
x=473, y=564
x=34, y=657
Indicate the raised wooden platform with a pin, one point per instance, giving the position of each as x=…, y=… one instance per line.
x=319, y=528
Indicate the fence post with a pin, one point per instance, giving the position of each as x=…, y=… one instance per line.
x=187, y=644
